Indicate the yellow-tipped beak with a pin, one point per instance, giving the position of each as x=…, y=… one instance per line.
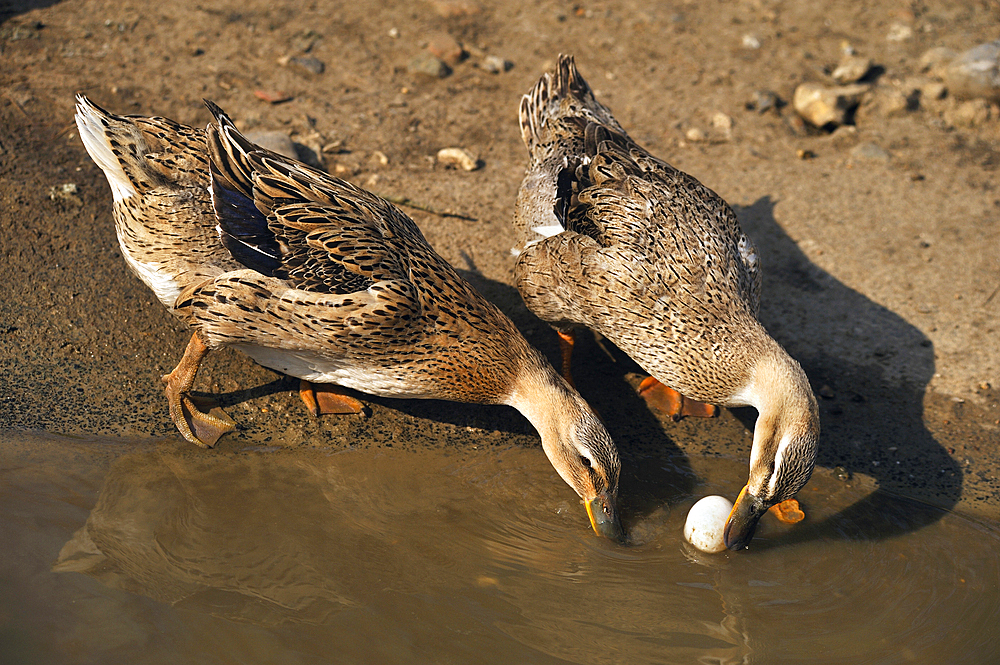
x=743, y=518
x=604, y=517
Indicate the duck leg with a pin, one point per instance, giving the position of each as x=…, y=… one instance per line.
x=200, y=428
x=671, y=402
x=322, y=398
x=567, y=339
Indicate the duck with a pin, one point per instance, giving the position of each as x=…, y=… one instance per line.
x=314, y=277
x=611, y=238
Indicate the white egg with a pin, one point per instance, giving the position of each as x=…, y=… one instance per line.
x=705, y=523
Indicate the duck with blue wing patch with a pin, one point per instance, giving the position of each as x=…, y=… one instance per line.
x=327, y=282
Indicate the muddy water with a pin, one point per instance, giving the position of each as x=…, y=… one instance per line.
x=159, y=553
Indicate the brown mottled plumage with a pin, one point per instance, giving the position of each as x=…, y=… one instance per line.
x=317, y=278
x=615, y=239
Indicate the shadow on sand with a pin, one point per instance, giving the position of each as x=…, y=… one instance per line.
x=870, y=369
x=14, y=7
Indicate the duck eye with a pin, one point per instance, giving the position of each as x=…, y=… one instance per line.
x=585, y=461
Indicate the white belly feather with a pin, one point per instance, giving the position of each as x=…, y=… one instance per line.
x=319, y=369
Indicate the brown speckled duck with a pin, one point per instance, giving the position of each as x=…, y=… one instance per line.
x=314, y=277
x=615, y=239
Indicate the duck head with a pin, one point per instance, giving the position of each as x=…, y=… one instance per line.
x=785, y=441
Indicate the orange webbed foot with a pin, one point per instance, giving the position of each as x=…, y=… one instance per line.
x=206, y=421
x=665, y=399
x=788, y=511
x=327, y=398
x=198, y=420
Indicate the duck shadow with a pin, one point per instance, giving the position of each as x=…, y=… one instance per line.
x=870, y=369
x=15, y=7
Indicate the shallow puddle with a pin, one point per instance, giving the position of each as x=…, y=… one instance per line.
x=160, y=553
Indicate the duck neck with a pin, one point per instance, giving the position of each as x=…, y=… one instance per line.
x=552, y=407
x=779, y=389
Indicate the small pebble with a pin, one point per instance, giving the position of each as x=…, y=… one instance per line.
x=694, y=135
x=308, y=63
x=763, y=101
x=706, y=523
x=722, y=122
x=972, y=113
x=458, y=158
x=936, y=59
x=444, y=46
x=933, y=90
x=851, y=69
x=869, y=152
x=899, y=32
x=494, y=64
x=272, y=96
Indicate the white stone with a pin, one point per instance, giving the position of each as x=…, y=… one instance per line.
x=822, y=106
x=851, y=68
x=458, y=158
x=706, y=522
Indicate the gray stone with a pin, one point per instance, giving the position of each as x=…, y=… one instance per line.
x=975, y=73
x=765, y=100
x=308, y=63
x=428, y=65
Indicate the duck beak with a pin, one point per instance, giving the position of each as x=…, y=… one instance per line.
x=743, y=520
x=604, y=517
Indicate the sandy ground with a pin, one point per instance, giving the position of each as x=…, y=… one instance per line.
x=879, y=241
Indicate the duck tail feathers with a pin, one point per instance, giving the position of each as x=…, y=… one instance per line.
x=105, y=135
x=564, y=95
